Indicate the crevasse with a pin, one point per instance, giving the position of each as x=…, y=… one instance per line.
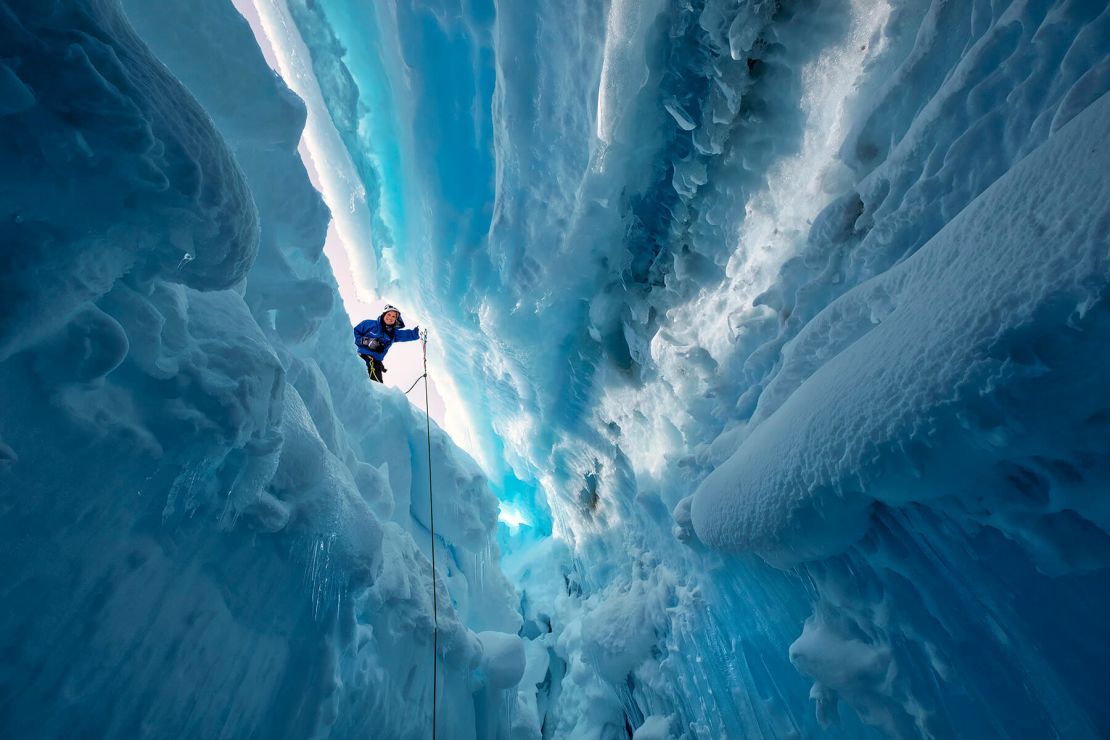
x=795, y=268
x=211, y=526
x=774, y=331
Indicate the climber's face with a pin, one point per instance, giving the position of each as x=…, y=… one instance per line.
x=390, y=318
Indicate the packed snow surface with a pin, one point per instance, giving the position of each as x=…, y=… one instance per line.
x=775, y=332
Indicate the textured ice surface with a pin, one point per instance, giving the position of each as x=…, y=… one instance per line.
x=212, y=524
x=819, y=282
x=968, y=364
x=502, y=659
x=779, y=327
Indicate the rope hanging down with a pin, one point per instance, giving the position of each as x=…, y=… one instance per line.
x=416, y=381
x=432, y=526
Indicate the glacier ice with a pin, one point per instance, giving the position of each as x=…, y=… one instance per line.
x=774, y=332
x=947, y=375
x=211, y=526
x=717, y=217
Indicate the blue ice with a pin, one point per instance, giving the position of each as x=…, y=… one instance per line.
x=773, y=337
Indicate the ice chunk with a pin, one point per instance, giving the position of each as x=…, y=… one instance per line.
x=748, y=23
x=654, y=727
x=681, y=117
x=689, y=175
x=840, y=663
x=683, y=526
x=502, y=659
x=624, y=69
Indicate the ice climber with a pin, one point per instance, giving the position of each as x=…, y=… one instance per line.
x=374, y=337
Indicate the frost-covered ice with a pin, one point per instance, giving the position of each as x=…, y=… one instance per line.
x=968, y=364
x=819, y=282
x=779, y=329
x=213, y=526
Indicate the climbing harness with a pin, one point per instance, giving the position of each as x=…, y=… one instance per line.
x=432, y=527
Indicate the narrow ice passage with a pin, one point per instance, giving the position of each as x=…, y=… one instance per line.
x=772, y=337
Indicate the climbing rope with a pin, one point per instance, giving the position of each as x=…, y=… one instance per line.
x=416, y=381
x=432, y=526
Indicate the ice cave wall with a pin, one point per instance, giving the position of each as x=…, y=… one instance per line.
x=822, y=283
x=212, y=526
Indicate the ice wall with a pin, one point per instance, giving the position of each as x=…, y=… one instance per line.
x=211, y=524
x=780, y=326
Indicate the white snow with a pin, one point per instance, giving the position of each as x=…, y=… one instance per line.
x=912, y=400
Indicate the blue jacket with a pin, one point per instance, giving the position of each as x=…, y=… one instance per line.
x=376, y=329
